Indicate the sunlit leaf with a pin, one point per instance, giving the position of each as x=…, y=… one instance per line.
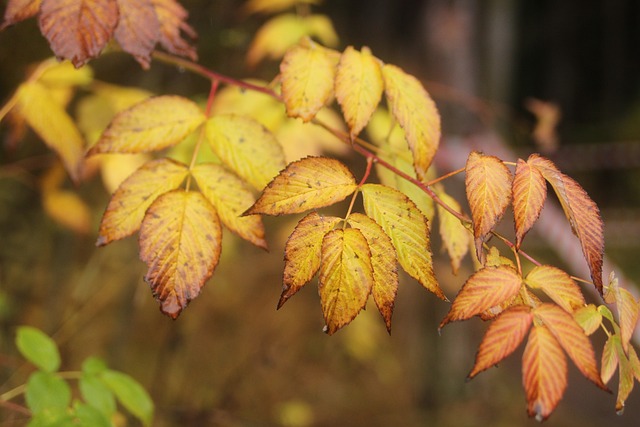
x=609, y=362
x=416, y=112
x=488, y=186
x=544, y=373
x=150, y=125
x=589, y=318
x=172, y=17
x=455, y=236
x=383, y=262
x=231, y=197
x=627, y=306
x=115, y=168
x=320, y=27
x=346, y=277
x=180, y=241
x=358, y=87
x=273, y=6
x=503, y=336
x=19, y=10
x=128, y=205
x=38, y=348
x=78, y=30
x=64, y=74
x=485, y=289
x=310, y=183
x=247, y=147
x=529, y=193
x=138, y=29
x=582, y=213
x=558, y=285
x=67, y=209
x=302, y=253
x=408, y=229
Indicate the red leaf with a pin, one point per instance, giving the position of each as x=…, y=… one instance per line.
x=19, y=10
x=138, y=29
x=172, y=18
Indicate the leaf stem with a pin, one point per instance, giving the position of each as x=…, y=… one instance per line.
x=445, y=176
x=367, y=172
x=215, y=83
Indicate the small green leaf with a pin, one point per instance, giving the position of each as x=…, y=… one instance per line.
x=93, y=366
x=89, y=416
x=58, y=417
x=96, y=393
x=47, y=392
x=130, y=394
x=38, y=348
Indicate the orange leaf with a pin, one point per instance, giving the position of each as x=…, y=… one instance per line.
x=627, y=306
x=346, y=277
x=78, y=30
x=488, y=186
x=582, y=213
x=172, y=17
x=302, y=253
x=503, y=336
x=230, y=196
x=589, y=318
x=138, y=29
x=153, y=124
x=180, y=241
x=572, y=338
x=19, y=10
x=529, y=193
x=485, y=289
x=544, y=373
x=609, y=361
x=310, y=183
x=384, y=263
x=558, y=285
x=416, y=113
x=129, y=203
x=625, y=376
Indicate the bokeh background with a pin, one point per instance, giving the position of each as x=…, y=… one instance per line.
x=509, y=77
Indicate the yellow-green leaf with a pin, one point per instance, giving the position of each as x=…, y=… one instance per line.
x=589, y=318
x=231, y=197
x=247, y=147
x=151, y=125
x=310, y=183
x=529, y=193
x=455, y=236
x=180, y=241
x=408, y=229
x=558, y=285
x=416, y=112
x=128, y=205
x=346, y=277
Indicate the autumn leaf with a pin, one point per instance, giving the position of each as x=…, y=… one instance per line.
x=589, y=318
x=358, y=87
x=138, y=29
x=488, y=186
x=65, y=75
x=486, y=288
x=504, y=335
x=582, y=213
x=614, y=356
x=408, y=229
x=180, y=241
x=150, y=125
x=19, y=10
x=302, y=253
x=68, y=209
x=529, y=193
x=383, y=263
x=609, y=361
x=416, y=113
x=172, y=17
x=273, y=6
x=247, y=147
x=310, y=183
x=455, y=236
x=627, y=306
x=346, y=277
x=558, y=285
x=128, y=205
x=544, y=373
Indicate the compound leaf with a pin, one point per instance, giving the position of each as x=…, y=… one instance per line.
x=558, y=285
x=529, y=193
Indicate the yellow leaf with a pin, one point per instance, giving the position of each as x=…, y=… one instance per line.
x=310, y=183
x=589, y=318
x=383, y=263
x=180, y=241
x=231, y=197
x=529, y=193
x=625, y=373
x=488, y=186
x=19, y=10
x=408, y=229
x=52, y=123
x=273, y=6
x=115, y=168
x=416, y=113
x=558, y=285
x=307, y=74
x=64, y=74
x=246, y=147
x=302, y=253
x=138, y=29
x=609, y=361
x=321, y=27
x=346, y=277
x=627, y=306
x=455, y=236
x=358, y=87
x=150, y=125
x=128, y=205
x=68, y=209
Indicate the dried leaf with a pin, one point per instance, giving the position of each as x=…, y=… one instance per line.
x=416, y=113
x=150, y=125
x=128, y=205
x=180, y=241
x=408, y=229
x=19, y=10
x=172, y=17
x=358, y=87
x=302, y=253
x=247, y=147
x=529, y=193
x=488, y=186
x=558, y=285
x=310, y=183
x=589, y=318
x=138, y=29
x=230, y=196
x=582, y=213
x=503, y=336
x=455, y=236
x=609, y=362
x=544, y=373
x=346, y=277
x=383, y=262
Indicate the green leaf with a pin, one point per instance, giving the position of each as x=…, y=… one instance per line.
x=130, y=394
x=58, y=417
x=89, y=416
x=47, y=392
x=96, y=393
x=93, y=366
x=38, y=348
